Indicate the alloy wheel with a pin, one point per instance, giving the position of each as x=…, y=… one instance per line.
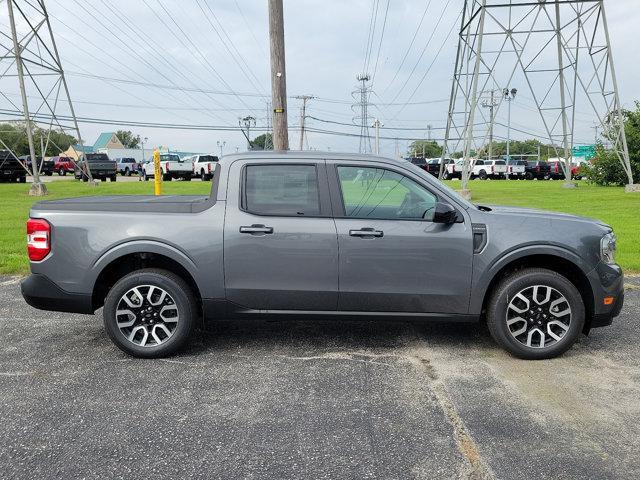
x=538, y=316
x=147, y=315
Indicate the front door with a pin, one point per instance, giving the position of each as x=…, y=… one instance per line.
x=393, y=258
x=280, y=242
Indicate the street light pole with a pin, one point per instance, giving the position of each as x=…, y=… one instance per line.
x=509, y=96
x=221, y=146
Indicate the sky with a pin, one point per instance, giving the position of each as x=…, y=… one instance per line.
x=206, y=63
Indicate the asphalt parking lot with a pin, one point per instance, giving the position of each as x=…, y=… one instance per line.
x=314, y=399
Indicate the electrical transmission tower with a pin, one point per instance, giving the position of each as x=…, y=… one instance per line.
x=29, y=52
x=303, y=117
x=361, y=110
x=557, y=51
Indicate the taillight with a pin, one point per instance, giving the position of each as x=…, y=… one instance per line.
x=209, y=167
x=493, y=169
x=538, y=168
x=38, y=239
x=166, y=167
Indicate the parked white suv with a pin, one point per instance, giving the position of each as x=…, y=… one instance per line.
x=203, y=165
x=484, y=169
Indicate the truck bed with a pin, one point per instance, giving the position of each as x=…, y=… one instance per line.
x=129, y=203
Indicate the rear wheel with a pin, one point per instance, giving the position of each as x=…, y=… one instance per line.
x=535, y=314
x=144, y=176
x=528, y=176
x=22, y=180
x=482, y=175
x=166, y=178
x=150, y=313
x=446, y=175
x=127, y=172
x=203, y=176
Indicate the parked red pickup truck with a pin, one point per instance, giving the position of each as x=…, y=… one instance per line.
x=62, y=165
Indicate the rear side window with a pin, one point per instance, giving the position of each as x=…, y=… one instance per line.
x=281, y=190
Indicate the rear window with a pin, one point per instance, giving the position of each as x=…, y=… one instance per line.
x=208, y=158
x=418, y=161
x=128, y=160
x=169, y=158
x=281, y=190
x=97, y=157
x=500, y=162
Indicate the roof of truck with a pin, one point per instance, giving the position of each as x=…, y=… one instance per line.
x=270, y=155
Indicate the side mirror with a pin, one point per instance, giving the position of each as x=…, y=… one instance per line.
x=444, y=213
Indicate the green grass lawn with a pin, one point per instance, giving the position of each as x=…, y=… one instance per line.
x=611, y=205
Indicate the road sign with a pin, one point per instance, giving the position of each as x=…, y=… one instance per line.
x=584, y=151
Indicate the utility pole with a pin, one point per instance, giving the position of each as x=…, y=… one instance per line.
x=246, y=122
x=491, y=104
x=429, y=127
x=37, y=187
x=563, y=105
x=278, y=76
x=303, y=116
x=377, y=126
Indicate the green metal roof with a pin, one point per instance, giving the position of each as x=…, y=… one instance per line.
x=102, y=140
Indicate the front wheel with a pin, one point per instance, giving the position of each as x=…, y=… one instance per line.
x=536, y=314
x=150, y=313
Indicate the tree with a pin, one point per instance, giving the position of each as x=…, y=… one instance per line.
x=14, y=135
x=605, y=168
x=262, y=142
x=128, y=139
x=430, y=148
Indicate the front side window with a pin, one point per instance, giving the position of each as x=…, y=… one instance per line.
x=383, y=194
x=281, y=190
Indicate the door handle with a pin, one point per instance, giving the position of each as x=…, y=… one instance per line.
x=366, y=233
x=256, y=229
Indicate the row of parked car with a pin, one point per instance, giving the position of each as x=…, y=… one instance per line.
x=103, y=168
x=171, y=167
x=498, y=169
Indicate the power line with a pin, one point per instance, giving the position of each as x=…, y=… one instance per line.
x=406, y=53
x=384, y=25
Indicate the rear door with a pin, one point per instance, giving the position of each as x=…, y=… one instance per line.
x=280, y=241
x=393, y=258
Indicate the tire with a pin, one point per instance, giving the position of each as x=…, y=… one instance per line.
x=506, y=305
x=445, y=175
x=103, y=179
x=187, y=178
x=114, y=178
x=144, y=176
x=179, y=298
x=528, y=176
x=482, y=175
x=22, y=179
x=49, y=174
x=203, y=176
x=166, y=178
x=127, y=172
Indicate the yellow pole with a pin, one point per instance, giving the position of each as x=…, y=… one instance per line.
x=157, y=173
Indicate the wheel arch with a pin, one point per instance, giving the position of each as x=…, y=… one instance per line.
x=131, y=257
x=558, y=261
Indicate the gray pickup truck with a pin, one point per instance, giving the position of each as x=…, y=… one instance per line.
x=301, y=233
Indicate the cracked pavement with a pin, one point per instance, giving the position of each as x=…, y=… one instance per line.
x=314, y=399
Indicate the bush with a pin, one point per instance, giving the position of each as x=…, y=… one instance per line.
x=605, y=169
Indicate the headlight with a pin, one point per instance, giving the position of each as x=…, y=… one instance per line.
x=608, y=248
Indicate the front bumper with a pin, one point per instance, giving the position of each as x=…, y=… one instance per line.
x=42, y=293
x=606, y=281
